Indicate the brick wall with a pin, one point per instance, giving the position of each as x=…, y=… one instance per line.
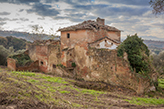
x=48, y=56
x=104, y=65
x=11, y=64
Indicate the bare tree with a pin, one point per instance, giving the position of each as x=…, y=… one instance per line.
x=37, y=33
x=158, y=6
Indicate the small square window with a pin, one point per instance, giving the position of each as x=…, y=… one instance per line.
x=54, y=66
x=68, y=35
x=41, y=62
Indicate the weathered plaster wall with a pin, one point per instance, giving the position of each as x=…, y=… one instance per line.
x=75, y=37
x=32, y=51
x=95, y=35
x=82, y=36
x=42, y=56
x=54, y=57
x=104, y=43
x=47, y=55
x=104, y=65
x=114, y=35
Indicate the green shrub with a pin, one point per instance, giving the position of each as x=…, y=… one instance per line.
x=73, y=64
x=22, y=59
x=138, y=53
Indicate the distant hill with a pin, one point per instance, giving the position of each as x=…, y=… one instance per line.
x=23, y=35
x=152, y=43
x=17, y=43
x=155, y=46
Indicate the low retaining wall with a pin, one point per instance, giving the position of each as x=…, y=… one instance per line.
x=11, y=64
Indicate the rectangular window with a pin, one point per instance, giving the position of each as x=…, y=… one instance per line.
x=68, y=35
x=54, y=66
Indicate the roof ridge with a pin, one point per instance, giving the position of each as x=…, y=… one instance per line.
x=89, y=24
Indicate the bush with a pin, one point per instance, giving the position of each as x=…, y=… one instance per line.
x=73, y=64
x=137, y=53
x=3, y=55
x=22, y=59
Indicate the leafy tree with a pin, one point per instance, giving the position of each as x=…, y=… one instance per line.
x=3, y=41
x=4, y=53
x=137, y=53
x=158, y=6
x=17, y=43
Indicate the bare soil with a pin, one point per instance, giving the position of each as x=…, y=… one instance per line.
x=41, y=91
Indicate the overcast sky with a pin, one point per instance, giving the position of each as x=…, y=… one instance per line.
x=131, y=16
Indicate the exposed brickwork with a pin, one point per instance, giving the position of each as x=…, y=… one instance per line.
x=11, y=64
x=78, y=45
x=104, y=65
x=47, y=53
x=32, y=67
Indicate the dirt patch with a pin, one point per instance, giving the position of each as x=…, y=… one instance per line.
x=101, y=86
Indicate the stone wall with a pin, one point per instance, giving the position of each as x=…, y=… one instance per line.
x=85, y=36
x=54, y=57
x=11, y=64
x=34, y=66
x=104, y=65
x=48, y=55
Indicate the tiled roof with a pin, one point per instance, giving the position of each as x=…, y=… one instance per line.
x=91, y=25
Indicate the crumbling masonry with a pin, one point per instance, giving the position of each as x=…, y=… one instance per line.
x=89, y=51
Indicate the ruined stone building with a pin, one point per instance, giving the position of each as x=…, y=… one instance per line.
x=73, y=45
x=87, y=34
x=88, y=49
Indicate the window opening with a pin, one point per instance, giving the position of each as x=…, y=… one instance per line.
x=68, y=35
x=54, y=66
x=41, y=62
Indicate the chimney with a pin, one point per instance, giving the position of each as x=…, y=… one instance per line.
x=100, y=21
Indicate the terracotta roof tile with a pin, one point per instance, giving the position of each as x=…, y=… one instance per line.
x=91, y=25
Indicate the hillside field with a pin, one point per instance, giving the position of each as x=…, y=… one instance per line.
x=29, y=90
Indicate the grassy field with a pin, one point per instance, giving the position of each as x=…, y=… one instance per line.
x=37, y=90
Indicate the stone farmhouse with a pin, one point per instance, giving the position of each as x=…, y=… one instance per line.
x=88, y=51
x=88, y=34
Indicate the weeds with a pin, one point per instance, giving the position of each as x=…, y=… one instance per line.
x=146, y=101
x=65, y=92
x=24, y=73
x=161, y=83
x=32, y=80
x=93, y=92
x=54, y=79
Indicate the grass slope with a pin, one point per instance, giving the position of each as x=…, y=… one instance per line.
x=37, y=90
